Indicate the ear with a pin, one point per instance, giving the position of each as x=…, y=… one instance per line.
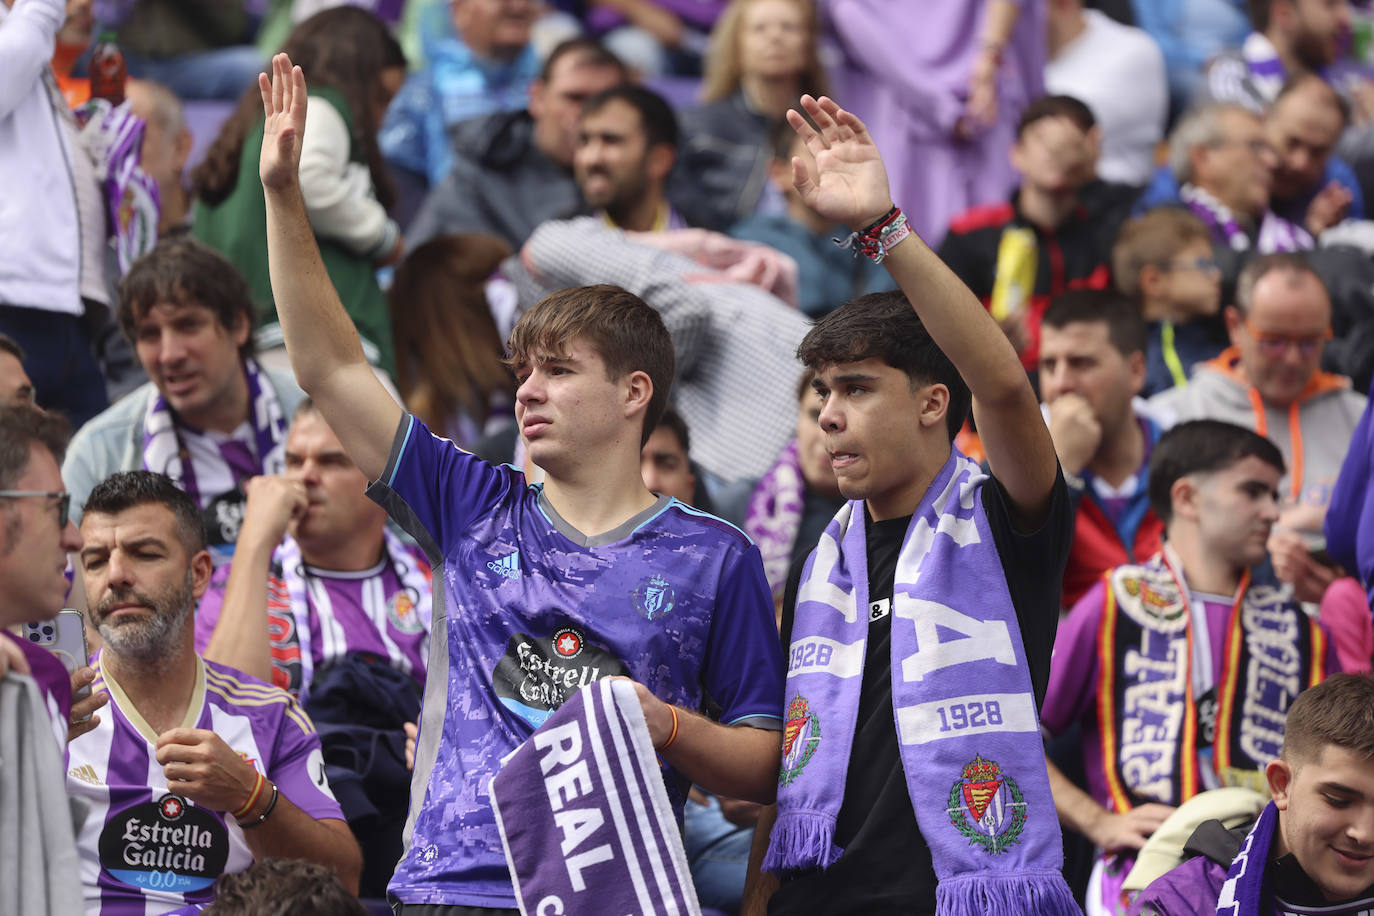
x=1196, y=157
x=538, y=92
x=181, y=147
x=1153, y=281
x=1093, y=138
x=1279, y=774
x=241, y=330
x=934, y=404
x=1183, y=496
x=1234, y=321
x=639, y=390
x=202, y=567
x=1135, y=362
x=659, y=161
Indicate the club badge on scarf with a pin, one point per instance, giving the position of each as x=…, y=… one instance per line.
x=114, y=137
x=584, y=817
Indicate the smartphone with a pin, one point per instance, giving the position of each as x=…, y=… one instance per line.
x=65, y=637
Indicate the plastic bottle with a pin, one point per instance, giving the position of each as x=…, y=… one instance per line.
x=108, y=72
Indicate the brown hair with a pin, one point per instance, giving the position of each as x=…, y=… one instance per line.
x=448, y=350
x=1154, y=238
x=21, y=427
x=723, y=70
x=283, y=887
x=345, y=49
x=622, y=328
x=181, y=270
x=1339, y=711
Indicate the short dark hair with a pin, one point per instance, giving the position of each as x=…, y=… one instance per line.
x=1056, y=106
x=591, y=51
x=623, y=329
x=1339, y=711
x=1260, y=11
x=283, y=887
x=656, y=116
x=1199, y=447
x=21, y=427
x=10, y=346
x=1125, y=325
x=884, y=326
x=1328, y=92
x=673, y=422
x=181, y=270
x=124, y=490
x=1257, y=268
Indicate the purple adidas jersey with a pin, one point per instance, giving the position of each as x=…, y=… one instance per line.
x=532, y=610
x=53, y=682
x=144, y=850
x=368, y=611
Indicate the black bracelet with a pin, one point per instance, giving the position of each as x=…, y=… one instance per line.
x=270, y=805
x=878, y=222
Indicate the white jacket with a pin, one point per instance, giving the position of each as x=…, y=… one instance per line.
x=40, y=233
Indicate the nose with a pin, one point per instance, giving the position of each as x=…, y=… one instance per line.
x=71, y=538
x=651, y=477
x=118, y=573
x=170, y=347
x=1269, y=511
x=831, y=418
x=1055, y=380
x=531, y=390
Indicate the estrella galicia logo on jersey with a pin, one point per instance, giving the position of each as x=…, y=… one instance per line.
x=801, y=734
x=403, y=611
x=507, y=566
x=987, y=807
x=654, y=597
x=538, y=673
x=166, y=845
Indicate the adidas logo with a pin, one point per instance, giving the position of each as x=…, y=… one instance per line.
x=86, y=773
x=508, y=566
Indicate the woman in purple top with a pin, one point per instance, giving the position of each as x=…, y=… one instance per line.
x=941, y=99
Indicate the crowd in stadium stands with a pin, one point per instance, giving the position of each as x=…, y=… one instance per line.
x=949, y=415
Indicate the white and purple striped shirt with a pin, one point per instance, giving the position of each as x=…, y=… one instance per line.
x=145, y=850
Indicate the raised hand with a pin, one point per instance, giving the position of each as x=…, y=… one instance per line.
x=845, y=181
x=283, y=107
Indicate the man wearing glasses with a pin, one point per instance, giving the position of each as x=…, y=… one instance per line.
x=1269, y=381
x=35, y=538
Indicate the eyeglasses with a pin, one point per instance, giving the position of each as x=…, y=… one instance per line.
x=64, y=501
x=1203, y=265
x=1274, y=345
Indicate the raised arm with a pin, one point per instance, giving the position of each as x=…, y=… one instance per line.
x=326, y=353
x=844, y=180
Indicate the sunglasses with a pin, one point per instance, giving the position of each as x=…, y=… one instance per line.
x=64, y=501
x=1276, y=345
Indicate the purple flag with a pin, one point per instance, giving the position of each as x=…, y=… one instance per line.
x=584, y=816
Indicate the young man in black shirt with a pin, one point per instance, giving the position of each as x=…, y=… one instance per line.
x=894, y=387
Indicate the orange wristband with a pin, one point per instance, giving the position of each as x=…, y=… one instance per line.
x=252, y=798
x=672, y=735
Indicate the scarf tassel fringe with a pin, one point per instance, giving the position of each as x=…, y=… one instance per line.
x=1022, y=893
x=801, y=840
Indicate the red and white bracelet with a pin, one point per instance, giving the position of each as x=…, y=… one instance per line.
x=875, y=240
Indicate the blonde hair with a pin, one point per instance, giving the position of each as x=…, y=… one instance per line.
x=723, y=68
x=448, y=350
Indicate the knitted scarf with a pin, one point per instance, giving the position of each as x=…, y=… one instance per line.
x=965, y=710
x=774, y=514
x=1275, y=232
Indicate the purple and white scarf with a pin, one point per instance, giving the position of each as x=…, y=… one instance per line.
x=967, y=727
x=774, y=515
x=1275, y=232
x=113, y=136
x=415, y=580
x=584, y=817
x=163, y=451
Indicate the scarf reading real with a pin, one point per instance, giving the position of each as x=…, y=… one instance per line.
x=1275, y=232
x=1147, y=712
x=974, y=761
x=412, y=606
x=164, y=453
x=774, y=515
x=584, y=817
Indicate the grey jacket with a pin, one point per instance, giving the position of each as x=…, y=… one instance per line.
x=501, y=184
x=113, y=440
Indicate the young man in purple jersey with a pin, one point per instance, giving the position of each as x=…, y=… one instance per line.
x=588, y=575
x=197, y=769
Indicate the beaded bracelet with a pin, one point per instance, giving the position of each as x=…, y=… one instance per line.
x=252, y=798
x=672, y=735
x=272, y=803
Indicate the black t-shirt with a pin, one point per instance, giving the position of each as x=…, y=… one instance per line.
x=886, y=865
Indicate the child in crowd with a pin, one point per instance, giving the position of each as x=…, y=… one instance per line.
x=354, y=67
x=827, y=274
x=1164, y=261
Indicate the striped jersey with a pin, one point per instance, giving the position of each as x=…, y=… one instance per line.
x=145, y=850
x=531, y=610
x=316, y=616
